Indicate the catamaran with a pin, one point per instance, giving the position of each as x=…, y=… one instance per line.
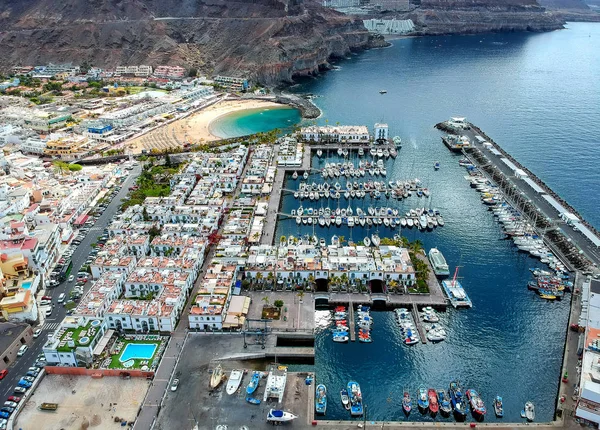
x=456, y=293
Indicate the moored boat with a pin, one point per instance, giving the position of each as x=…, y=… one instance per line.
x=406, y=403
x=356, y=406
x=438, y=263
x=498, y=407
x=252, y=400
x=235, y=379
x=457, y=401
x=423, y=399
x=216, y=377
x=444, y=402
x=529, y=411
x=345, y=399
x=321, y=399
x=477, y=406
x=434, y=406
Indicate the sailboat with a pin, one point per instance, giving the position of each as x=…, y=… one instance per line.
x=295, y=175
x=375, y=239
x=367, y=241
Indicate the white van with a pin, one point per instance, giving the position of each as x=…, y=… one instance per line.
x=22, y=350
x=61, y=298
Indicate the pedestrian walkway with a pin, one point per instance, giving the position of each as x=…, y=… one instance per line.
x=50, y=326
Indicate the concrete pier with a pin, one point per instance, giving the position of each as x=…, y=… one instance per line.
x=352, y=322
x=418, y=325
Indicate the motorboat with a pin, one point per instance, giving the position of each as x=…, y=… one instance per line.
x=319, y=153
x=429, y=315
x=406, y=403
x=436, y=165
x=444, y=402
x=254, y=381
x=216, y=377
x=305, y=175
x=529, y=411
x=375, y=239
x=340, y=339
x=434, y=406
x=477, y=405
x=457, y=401
x=295, y=175
x=367, y=241
x=423, y=399
x=321, y=399
x=252, y=400
x=279, y=416
x=498, y=407
x=355, y=394
x=235, y=379
x=438, y=263
x=345, y=399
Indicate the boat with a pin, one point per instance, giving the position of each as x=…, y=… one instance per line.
x=356, y=406
x=498, y=408
x=340, y=339
x=375, y=239
x=406, y=403
x=254, y=381
x=529, y=411
x=367, y=241
x=436, y=165
x=216, y=377
x=295, y=175
x=444, y=402
x=438, y=263
x=382, y=92
x=457, y=401
x=252, y=400
x=477, y=406
x=423, y=399
x=279, y=416
x=321, y=399
x=434, y=406
x=319, y=153
x=235, y=379
x=305, y=175
x=456, y=293
x=345, y=398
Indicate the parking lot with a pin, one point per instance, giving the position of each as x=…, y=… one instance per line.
x=195, y=402
x=83, y=402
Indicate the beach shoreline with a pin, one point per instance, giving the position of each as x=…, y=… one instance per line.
x=196, y=128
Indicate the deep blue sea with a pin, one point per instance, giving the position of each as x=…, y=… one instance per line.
x=536, y=95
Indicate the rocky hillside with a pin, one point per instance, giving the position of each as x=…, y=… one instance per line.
x=481, y=16
x=268, y=40
x=578, y=5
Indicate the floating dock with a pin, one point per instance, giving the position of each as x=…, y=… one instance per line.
x=418, y=325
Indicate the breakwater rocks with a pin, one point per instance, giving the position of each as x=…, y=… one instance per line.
x=307, y=108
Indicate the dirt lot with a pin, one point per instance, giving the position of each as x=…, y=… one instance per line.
x=83, y=403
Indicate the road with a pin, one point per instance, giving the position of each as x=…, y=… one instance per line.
x=19, y=367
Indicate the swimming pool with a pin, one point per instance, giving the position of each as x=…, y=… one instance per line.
x=141, y=351
x=26, y=285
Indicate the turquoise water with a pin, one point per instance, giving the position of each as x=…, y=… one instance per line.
x=140, y=351
x=251, y=121
x=537, y=96
x=26, y=285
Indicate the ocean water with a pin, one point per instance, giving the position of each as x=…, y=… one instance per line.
x=537, y=96
x=250, y=121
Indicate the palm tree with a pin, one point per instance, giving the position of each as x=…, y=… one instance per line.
x=266, y=300
x=392, y=284
x=270, y=277
x=311, y=280
x=342, y=240
x=300, y=295
x=259, y=277
x=282, y=239
x=416, y=246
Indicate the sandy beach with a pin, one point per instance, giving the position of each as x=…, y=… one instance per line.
x=195, y=128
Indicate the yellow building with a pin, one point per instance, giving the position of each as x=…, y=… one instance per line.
x=65, y=147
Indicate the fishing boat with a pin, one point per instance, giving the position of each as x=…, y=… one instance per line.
x=423, y=399
x=406, y=403
x=321, y=399
x=434, y=406
x=295, y=175
x=457, y=401
x=498, y=407
x=254, y=381
x=235, y=379
x=438, y=263
x=444, y=402
x=456, y=293
x=216, y=377
x=356, y=406
x=529, y=411
x=477, y=406
x=345, y=399
x=252, y=400
x=279, y=416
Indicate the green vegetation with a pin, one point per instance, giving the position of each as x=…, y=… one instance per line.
x=278, y=303
x=152, y=182
x=75, y=167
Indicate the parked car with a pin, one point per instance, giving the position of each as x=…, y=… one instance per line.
x=4, y=414
x=20, y=390
x=7, y=409
x=22, y=350
x=37, y=333
x=15, y=399
x=10, y=404
x=28, y=378
x=49, y=311
x=174, y=384
x=39, y=364
x=32, y=369
x=32, y=374
x=3, y=373
x=24, y=384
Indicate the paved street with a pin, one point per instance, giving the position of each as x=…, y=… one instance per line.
x=19, y=368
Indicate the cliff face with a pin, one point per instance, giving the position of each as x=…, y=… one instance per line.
x=268, y=40
x=434, y=17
